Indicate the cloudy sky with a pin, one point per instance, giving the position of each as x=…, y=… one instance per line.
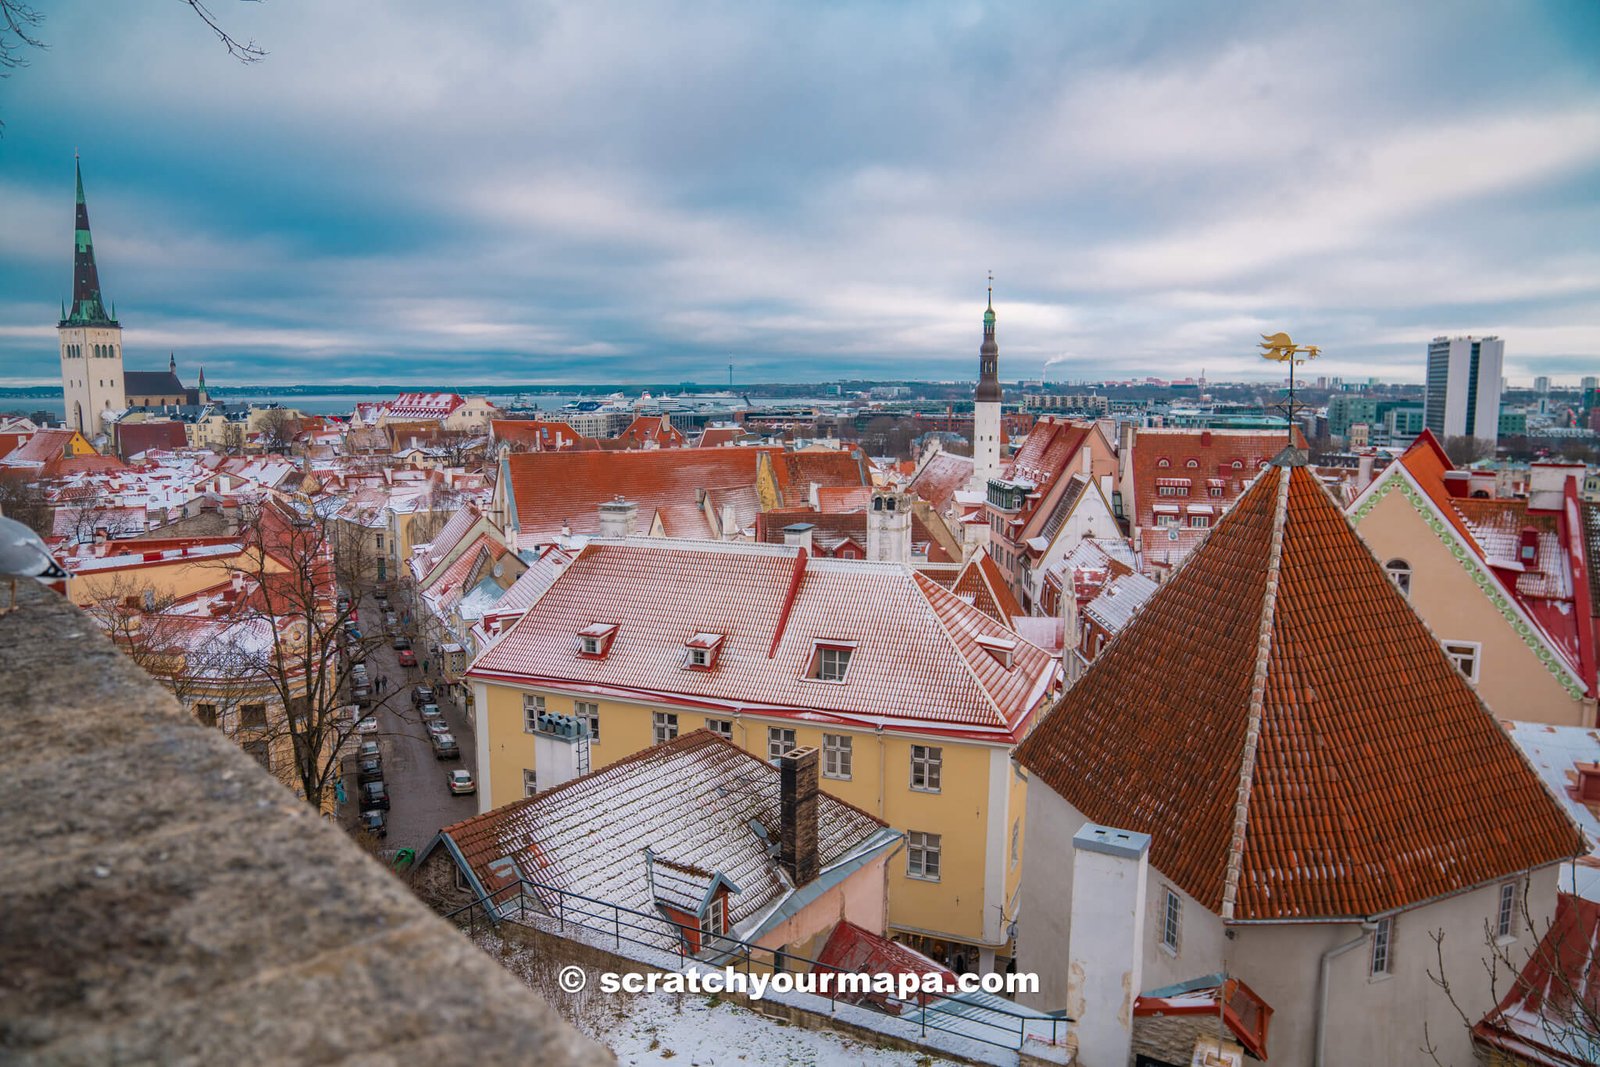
x=503, y=190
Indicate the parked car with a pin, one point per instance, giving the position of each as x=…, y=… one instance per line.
x=352, y=633
x=375, y=823
x=369, y=770
x=391, y=620
x=368, y=725
x=362, y=695
x=401, y=642
x=461, y=783
x=445, y=747
x=374, y=795
x=431, y=711
x=408, y=658
x=437, y=727
x=421, y=694
x=369, y=749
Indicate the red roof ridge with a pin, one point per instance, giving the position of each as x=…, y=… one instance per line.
x=1258, y=696
x=796, y=576
x=933, y=591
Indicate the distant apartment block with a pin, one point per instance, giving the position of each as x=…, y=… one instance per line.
x=1463, y=387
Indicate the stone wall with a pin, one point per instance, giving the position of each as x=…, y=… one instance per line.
x=166, y=901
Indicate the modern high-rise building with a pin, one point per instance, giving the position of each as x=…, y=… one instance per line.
x=1541, y=385
x=1590, y=382
x=1463, y=387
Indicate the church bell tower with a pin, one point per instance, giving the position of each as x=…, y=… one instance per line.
x=91, y=340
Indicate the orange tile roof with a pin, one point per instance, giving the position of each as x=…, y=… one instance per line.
x=1290, y=733
x=795, y=472
x=982, y=584
x=1427, y=463
x=940, y=478
x=917, y=663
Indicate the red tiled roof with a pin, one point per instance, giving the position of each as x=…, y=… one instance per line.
x=940, y=477
x=553, y=489
x=852, y=950
x=983, y=585
x=718, y=436
x=1213, y=453
x=136, y=437
x=832, y=528
x=1290, y=733
x=1426, y=462
x=917, y=662
x=42, y=447
x=654, y=430
x=1544, y=1017
x=843, y=498
x=795, y=472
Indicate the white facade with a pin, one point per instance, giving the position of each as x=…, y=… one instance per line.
x=91, y=376
x=1463, y=387
x=985, y=444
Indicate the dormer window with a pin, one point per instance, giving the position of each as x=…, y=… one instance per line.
x=594, y=640
x=1000, y=648
x=831, y=660
x=702, y=650
x=1163, y=463
x=1193, y=463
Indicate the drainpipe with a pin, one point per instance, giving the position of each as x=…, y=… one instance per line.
x=1322, y=983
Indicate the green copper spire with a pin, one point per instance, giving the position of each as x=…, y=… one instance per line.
x=88, y=308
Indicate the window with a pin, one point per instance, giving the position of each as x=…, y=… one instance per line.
x=380, y=542
x=713, y=921
x=532, y=708
x=591, y=645
x=1172, y=490
x=1171, y=920
x=1216, y=490
x=922, y=856
x=1016, y=842
x=723, y=728
x=836, y=756
x=1192, y=463
x=779, y=741
x=926, y=760
x=261, y=751
x=1400, y=573
x=206, y=713
x=1163, y=463
x=1199, y=522
x=530, y=782
x=1464, y=654
x=383, y=572
x=1164, y=521
x=1505, y=922
x=700, y=657
x=253, y=716
x=590, y=715
x=666, y=726
x=831, y=663
x=1382, y=948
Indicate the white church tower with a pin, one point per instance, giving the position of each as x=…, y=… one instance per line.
x=91, y=341
x=986, y=409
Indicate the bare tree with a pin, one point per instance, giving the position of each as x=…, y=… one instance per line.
x=20, y=21
x=83, y=512
x=25, y=500
x=277, y=427
x=1465, y=450
x=1551, y=967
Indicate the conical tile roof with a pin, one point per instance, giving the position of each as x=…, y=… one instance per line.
x=1291, y=734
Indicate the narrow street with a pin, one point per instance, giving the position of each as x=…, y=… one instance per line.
x=420, y=802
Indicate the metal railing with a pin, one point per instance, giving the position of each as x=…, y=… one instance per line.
x=541, y=906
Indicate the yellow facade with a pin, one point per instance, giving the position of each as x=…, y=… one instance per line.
x=979, y=801
x=1511, y=678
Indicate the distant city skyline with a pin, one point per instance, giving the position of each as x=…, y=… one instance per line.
x=642, y=194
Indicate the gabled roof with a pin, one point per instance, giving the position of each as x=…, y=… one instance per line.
x=916, y=663
x=982, y=584
x=136, y=437
x=444, y=542
x=1290, y=733
x=796, y=472
x=1547, y=1016
x=43, y=447
x=152, y=383
x=832, y=529
x=545, y=436
x=698, y=802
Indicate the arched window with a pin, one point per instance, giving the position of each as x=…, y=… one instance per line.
x=1193, y=463
x=1399, y=573
x=1238, y=466
x=1163, y=462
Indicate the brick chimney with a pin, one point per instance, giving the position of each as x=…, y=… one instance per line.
x=797, y=791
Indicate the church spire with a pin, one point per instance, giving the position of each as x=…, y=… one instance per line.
x=88, y=308
x=989, y=356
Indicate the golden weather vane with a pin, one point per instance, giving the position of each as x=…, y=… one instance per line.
x=1278, y=347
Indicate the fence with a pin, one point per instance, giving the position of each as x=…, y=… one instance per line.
x=565, y=913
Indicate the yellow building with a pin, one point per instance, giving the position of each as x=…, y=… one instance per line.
x=914, y=698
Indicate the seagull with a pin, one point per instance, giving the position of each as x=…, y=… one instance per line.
x=24, y=555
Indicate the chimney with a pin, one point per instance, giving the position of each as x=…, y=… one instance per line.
x=1364, y=469
x=729, y=523
x=889, y=527
x=798, y=535
x=618, y=518
x=1548, y=481
x=797, y=791
x=1456, y=483
x=1587, y=788
x=1105, y=942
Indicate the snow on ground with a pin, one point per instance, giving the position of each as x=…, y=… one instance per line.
x=682, y=1030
